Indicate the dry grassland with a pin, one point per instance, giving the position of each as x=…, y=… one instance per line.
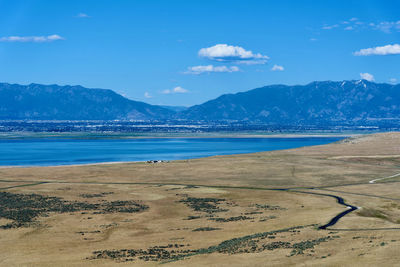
x=216, y=211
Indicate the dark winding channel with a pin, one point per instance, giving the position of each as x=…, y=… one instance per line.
x=339, y=200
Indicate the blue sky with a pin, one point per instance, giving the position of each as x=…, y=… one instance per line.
x=186, y=52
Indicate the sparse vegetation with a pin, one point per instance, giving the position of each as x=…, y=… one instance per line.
x=102, y=194
x=157, y=253
x=298, y=248
x=232, y=219
x=208, y=205
x=202, y=229
x=246, y=244
x=268, y=207
x=23, y=209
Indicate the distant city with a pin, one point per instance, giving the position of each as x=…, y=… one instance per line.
x=170, y=126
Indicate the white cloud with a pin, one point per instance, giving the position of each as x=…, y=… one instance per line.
x=229, y=53
x=35, y=39
x=82, y=15
x=179, y=90
x=379, y=50
x=147, y=95
x=330, y=27
x=386, y=26
x=313, y=39
x=393, y=80
x=367, y=76
x=210, y=68
x=54, y=37
x=277, y=68
x=176, y=90
x=356, y=24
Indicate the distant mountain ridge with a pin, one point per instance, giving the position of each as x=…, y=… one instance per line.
x=318, y=103
x=54, y=102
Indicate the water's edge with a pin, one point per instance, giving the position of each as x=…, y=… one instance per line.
x=62, y=152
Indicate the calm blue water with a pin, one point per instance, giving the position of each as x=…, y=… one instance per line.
x=49, y=152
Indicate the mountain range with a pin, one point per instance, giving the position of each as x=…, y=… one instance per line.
x=317, y=103
x=54, y=102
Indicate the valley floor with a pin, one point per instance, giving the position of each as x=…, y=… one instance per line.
x=261, y=209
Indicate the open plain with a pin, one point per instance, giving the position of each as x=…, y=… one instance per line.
x=260, y=209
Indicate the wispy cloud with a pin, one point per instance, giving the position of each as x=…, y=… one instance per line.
x=277, y=68
x=393, y=80
x=147, y=95
x=347, y=25
x=386, y=26
x=356, y=24
x=176, y=90
x=229, y=53
x=330, y=27
x=210, y=68
x=34, y=39
x=82, y=15
x=379, y=50
x=367, y=76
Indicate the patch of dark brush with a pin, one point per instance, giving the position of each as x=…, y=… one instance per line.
x=207, y=205
x=268, y=207
x=232, y=219
x=102, y=194
x=247, y=244
x=156, y=253
x=23, y=209
x=202, y=229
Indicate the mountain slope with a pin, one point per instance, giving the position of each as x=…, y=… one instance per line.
x=317, y=103
x=53, y=102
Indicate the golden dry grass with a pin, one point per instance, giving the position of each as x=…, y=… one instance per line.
x=343, y=169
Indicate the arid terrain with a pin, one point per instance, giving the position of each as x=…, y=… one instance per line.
x=261, y=209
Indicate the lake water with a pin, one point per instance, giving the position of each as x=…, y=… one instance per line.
x=51, y=152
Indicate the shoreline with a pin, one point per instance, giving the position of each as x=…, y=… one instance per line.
x=144, y=161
